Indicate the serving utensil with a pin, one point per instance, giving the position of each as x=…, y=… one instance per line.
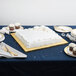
x=7, y=50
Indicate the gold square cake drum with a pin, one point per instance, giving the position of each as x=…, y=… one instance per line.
x=36, y=48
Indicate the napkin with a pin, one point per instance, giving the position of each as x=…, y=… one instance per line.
x=4, y=30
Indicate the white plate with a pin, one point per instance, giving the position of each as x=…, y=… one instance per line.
x=62, y=28
x=8, y=55
x=68, y=52
x=7, y=28
x=2, y=37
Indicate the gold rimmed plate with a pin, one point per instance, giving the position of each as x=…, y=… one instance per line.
x=2, y=37
x=68, y=52
x=62, y=29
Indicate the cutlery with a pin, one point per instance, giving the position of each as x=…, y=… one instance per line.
x=7, y=50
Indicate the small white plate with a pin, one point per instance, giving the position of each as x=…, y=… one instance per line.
x=2, y=37
x=68, y=52
x=7, y=28
x=62, y=28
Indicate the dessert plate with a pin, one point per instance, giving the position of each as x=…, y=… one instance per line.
x=2, y=37
x=7, y=28
x=62, y=28
x=68, y=52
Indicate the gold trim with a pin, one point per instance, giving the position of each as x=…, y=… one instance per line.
x=36, y=48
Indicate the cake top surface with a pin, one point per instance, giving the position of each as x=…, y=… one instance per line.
x=38, y=33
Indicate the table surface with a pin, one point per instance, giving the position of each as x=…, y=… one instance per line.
x=49, y=54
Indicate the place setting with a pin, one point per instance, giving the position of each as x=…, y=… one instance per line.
x=71, y=49
x=14, y=27
x=11, y=28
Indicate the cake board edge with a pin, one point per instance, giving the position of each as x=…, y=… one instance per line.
x=36, y=48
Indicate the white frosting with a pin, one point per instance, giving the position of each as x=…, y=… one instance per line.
x=37, y=36
x=11, y=25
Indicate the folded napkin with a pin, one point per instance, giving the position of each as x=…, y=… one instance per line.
x=4, y=30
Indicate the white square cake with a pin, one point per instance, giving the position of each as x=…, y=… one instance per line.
x=38, y=36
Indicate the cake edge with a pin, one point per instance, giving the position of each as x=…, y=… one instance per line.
x=36, y=48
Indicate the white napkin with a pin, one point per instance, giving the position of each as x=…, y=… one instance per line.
x=4, y=30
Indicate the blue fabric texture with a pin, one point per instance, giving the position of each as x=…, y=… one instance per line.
x=45, y=62
x=49, y=54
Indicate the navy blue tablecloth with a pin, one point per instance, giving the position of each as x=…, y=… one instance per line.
x=39, y=62
x=49, y=54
